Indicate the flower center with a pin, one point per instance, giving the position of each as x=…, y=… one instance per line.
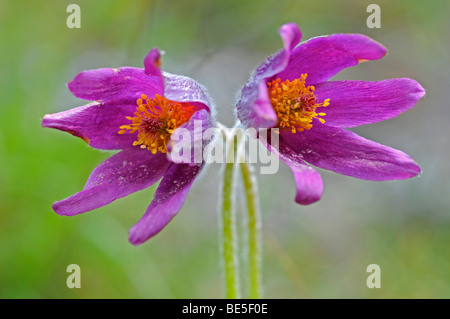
x=155, y=120
x=295, y=104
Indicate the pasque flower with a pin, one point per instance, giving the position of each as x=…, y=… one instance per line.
x=291, y=91
x=136, y=111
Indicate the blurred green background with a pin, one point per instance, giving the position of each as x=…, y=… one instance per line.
x=319, y=251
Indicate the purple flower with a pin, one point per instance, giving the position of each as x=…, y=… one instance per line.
x=291, y=91
x=136, y=111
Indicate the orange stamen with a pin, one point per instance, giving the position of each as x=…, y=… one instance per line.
x=295, y=104
x=155, y=120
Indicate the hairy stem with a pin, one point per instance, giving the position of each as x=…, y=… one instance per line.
x=228, y=231
x=254, y=232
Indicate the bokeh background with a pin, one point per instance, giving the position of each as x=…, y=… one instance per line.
x=318, y=251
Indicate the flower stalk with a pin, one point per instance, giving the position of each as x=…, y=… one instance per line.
x=254, y=232
x=228, y=230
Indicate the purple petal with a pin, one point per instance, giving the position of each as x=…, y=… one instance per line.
x=354, y=103
x=184, y=89
x=323, y=57
x=152, y=63
x=307, y=179
x=196, y=127
x=168, y=199
x=290, y=35
x=96, y=123
x=123, y=85
x=254, y=107
x=347, y=153
x=129, y=171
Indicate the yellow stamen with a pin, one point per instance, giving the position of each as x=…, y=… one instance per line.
x=295, y=104
x=155, y=120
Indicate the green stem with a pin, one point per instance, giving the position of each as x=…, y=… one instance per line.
x=229, y=242
x=254, y=232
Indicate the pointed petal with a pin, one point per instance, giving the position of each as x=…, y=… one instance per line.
x=128, y=171
x=354, y=103
x=168, y=199
x=307, y=179
x=349, y=154
x=119, y=86
x=152, y=63
x=96, y=123
x=254, y=108
x=323, y=57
